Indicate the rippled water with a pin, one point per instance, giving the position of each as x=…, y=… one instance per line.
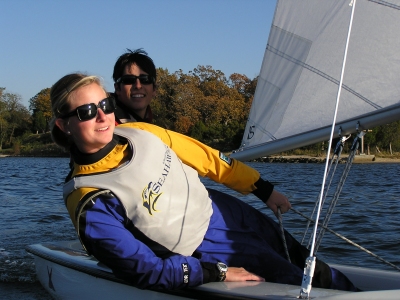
x=32, y=211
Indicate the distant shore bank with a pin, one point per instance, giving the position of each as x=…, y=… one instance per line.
x=358, y=159
x=8, y=155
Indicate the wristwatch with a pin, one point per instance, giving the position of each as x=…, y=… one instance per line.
x=222, y=268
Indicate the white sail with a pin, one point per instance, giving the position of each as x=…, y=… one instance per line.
x=298, y=83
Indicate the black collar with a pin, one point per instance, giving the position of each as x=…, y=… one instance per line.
x=124, y=112
x=87, y=159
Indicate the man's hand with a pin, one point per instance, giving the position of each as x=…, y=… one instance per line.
x=278, y=200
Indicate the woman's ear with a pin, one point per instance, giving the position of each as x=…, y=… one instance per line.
x=60, y=123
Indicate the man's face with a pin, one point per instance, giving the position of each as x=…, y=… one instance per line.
x=136, y=96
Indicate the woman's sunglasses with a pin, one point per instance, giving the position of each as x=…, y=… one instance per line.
x=132, y=79
x=89, y=111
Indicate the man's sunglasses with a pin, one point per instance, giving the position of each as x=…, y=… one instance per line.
x=132, y=79
x=89, y=111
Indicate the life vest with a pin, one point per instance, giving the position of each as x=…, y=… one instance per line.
x=164, y=198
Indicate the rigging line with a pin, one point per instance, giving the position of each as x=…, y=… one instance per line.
x=311, y=260
x=283, y=234
x=331, y=176
x=338, y=191
x=333, y=123
x=349, y=241
x=335, y=160
x=345, y=173
x=331, y=207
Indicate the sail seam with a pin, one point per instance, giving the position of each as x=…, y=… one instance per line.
x=385, y=3
x=322, y=74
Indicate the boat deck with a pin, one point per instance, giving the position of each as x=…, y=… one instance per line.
x=67, y=272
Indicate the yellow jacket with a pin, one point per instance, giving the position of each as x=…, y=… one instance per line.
x=204, y=159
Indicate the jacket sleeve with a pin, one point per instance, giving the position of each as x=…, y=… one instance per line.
x=111, y=243
x=206, y=160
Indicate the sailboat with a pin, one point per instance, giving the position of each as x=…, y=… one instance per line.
x=296, y=104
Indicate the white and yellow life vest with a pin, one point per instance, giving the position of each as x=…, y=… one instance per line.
x=163, y=197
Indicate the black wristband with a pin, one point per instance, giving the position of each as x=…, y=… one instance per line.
x=264, y=189
x=210, y=272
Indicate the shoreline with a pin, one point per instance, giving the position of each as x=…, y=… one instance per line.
x=358, y=159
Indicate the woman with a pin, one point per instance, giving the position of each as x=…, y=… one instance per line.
x=135, y=199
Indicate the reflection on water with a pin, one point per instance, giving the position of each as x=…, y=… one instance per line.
x=32, y=211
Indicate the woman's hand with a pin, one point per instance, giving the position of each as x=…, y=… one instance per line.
x=278, y=200
x=240, y=274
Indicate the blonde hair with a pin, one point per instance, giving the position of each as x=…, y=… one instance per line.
x=60, y=96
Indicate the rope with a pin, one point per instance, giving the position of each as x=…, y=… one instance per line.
x=339, y=188
x=332, y=204
x=283, y=234
x=334, y=160
x=349, y=241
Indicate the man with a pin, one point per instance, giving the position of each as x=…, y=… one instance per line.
x=135, y=85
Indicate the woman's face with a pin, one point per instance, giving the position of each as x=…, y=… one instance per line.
x=92, y=135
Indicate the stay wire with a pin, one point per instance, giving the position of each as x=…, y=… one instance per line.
x=333, y=203
x=349, y=241
x=310, y=261
x=339, y=188
x=316, y=205
x=334, y=160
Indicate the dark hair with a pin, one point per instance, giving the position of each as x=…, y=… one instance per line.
x=138, y=57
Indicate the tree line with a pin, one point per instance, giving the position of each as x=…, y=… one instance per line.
x=202, y=103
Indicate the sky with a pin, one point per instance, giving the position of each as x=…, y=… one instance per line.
x=43, y=40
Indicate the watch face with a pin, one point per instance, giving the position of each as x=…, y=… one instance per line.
x=222, y=267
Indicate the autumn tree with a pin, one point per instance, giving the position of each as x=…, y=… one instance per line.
x=3, y=119
x=225, y=109
x=369, y=140
x=40, y=105
x=186, y=102
x=203, y=105
x=162, y=103
x=14, y=117
x=244, y=85
x=387, y=135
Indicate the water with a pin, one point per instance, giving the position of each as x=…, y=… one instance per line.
x=32, y=211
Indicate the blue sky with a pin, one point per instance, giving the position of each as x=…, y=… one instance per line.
x=43, y=40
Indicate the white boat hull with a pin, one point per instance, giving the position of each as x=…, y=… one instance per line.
x=66, y=272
